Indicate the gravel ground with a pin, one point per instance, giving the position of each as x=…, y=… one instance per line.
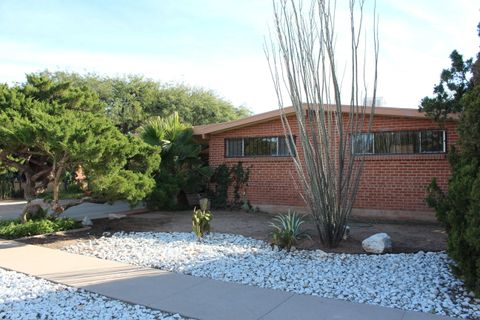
x=26, y=297
x=419, y=281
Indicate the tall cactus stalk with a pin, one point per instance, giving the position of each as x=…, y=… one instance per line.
x=302, y=60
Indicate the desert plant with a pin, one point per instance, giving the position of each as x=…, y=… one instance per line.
x=287, y=231
x=303, y=61
x=201, y=222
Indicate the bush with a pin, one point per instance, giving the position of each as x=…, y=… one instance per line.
x=287, y=231
x=459, y=209
x=15, y=229
x=201, y=221
x=224, y=177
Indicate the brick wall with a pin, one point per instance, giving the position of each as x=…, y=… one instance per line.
x=389, y=182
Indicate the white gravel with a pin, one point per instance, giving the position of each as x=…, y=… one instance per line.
x=26, y=297
x=420, y=281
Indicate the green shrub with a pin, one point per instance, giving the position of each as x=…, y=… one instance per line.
x=459, y=212
x=224, y=177
x=201, y=222
x=287, y=231
x=15, y=229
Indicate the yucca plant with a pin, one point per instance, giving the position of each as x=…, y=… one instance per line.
x=287, y=231
x=201, y=222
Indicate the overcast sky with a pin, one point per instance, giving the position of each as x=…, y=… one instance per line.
x=218, y=44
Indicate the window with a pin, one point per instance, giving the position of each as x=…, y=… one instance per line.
x=400, y=142
x=258, y=146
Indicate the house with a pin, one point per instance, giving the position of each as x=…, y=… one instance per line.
x=405, y=151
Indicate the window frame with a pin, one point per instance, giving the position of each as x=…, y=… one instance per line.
x=258, y=156
x=419, y=131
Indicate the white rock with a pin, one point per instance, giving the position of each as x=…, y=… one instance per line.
x=25, y=297
x=378, y=243
x=86, y=222
x=417, y=281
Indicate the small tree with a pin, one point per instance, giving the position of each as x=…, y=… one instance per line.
x=459, y=208
x=51, y=127
x=303, y=63
x=181, y=167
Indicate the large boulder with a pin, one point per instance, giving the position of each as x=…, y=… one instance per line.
x=378, y=243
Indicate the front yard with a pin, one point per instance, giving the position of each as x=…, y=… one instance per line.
x=407, y=237
x=417, y=277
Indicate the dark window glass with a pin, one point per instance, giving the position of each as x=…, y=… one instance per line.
x=363, y=143
x=396, y=142
x=234, y=148
x=432, y=141
x=283, y=147
x=399, y=142
x=259, y=146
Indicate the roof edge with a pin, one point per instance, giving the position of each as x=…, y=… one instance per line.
x=269, y=115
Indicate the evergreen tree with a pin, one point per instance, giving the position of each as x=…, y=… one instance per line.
x=459, y=208
x=49, y=127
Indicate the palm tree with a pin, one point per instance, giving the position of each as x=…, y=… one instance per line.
x=181, y=168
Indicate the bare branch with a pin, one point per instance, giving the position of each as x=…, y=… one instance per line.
x=302, y=60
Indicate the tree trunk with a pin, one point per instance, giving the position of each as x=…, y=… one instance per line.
x=28, y=194
x=57, y=175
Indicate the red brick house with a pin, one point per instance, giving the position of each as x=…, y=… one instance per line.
x=405, y=150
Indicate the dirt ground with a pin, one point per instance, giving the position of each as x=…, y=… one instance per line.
x=406, y=237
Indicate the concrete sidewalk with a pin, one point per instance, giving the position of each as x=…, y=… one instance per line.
x=195, y=297
x=12, y=209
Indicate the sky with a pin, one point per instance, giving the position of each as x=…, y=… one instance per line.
x=219, y=44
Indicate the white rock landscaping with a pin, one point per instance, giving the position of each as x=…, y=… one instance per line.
x=26, y=297
x=377, y=243
x=420, y=282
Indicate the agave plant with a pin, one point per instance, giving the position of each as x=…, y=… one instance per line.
x=287, y=231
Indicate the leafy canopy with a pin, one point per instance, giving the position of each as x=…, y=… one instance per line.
x=56, y=126
x=454, y=83
x=182, y=168
x=130, y=101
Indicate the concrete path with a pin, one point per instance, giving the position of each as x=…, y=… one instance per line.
x=12, y=209
x=195, y=297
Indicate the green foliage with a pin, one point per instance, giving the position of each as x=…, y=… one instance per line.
x=7, y=190
x=181, y=168
x=15, y=229
x=50, y=127
x=286, y=230
x=240, y=176
x=195, y=106
x=129, y=101
x=454, y=82
x=223, y=178
x=221, y=181
x=459, y=208
x=201, y=222
x=123, y=99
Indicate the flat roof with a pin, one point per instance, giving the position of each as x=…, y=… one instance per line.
x=270, y=115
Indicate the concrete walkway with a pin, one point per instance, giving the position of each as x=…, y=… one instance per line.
x=195, y=297
x=12, y=209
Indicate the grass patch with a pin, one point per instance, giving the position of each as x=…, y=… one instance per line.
x=13, y=229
